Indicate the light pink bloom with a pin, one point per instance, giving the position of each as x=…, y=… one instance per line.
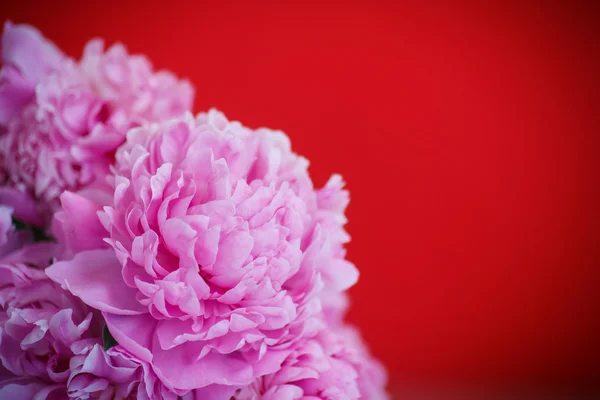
x=219, y=245
x=334, y=365
x=38, y=324
x=63, y=120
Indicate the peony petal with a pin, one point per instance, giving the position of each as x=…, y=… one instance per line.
x=212, y=392
x=133, y=332
x=81, y=227
x=15, y=93
x=23, y=205
x=25, y=48
x=233, y=252
x=341, y=274
x=180, y=368
x=95, y=277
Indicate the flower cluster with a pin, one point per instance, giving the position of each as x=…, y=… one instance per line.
x=149, y=253
x=63, y=120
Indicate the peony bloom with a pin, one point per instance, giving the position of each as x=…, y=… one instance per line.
x=63, y=120
x=334, y=365
x=218, y=251
x=112, y=374
x=39, y=322
x=201, y=246
x=27, y=58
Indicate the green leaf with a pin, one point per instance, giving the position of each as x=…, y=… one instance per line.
x=19, y=225
x=38, y=233
x=108, y=341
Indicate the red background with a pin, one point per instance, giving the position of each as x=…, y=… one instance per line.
x=468, y=135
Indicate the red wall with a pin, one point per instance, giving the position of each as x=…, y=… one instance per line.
x=469, y=137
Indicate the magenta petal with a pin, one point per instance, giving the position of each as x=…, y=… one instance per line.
x=20, y=390
x=81, y=227
x=95, y=277
x=213, y=392
x=23, y=206
x=15, y=93
x=133, y=332
x=36, y=253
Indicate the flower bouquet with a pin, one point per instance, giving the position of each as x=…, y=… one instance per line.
x=147, y=253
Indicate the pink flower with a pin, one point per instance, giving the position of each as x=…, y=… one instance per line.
x=63, y=120
x=25, y=388
x=220, y=247
x=112, y=374
x=27, y=58
x=334, y=365
x=129, y=81
x=116, y=374
x=39, y=322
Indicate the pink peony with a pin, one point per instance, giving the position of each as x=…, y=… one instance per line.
x=112, y=374
x=30, y=389
x=63, y=120
x=200, y=244
x=39, y=322
x=27, y=59
x=334, y=365
x=221, y=245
